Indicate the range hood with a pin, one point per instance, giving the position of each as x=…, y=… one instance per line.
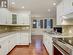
x=68, y=16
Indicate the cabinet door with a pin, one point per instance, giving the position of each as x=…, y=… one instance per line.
x=5, y=16
x=24, y=38
x=18, y=40
x=9, y=18
x=20, y=19
x=4, y=47
x=26, y=20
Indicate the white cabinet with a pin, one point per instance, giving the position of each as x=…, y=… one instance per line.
x=47, y=40
x=23, y=18
x=9, y=18
x=10, y=41
x=5, y=16
x=23, y=38
x=4, y=47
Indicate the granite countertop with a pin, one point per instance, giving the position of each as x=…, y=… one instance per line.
x=58, y=35
x=3, y=35
x=12, y=32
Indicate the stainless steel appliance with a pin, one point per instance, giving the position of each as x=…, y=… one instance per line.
x=65, y=43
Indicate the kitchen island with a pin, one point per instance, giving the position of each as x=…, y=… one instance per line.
x=52, y=46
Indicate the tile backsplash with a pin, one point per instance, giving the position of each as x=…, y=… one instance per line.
x=68, y=30
x=9, y=29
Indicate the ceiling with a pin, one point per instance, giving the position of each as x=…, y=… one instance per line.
x=37, y=7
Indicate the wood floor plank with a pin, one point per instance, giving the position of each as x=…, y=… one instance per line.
x=35, y=48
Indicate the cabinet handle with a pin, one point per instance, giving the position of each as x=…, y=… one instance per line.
x=9, y=41
x=0, y=46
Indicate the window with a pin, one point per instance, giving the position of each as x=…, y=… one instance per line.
x=45, y=23
x=34, y=23
x=41, y=23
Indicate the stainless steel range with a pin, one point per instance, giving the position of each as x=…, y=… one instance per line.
x=65, y=43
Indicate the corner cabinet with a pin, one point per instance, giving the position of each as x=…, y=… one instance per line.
x=8, y=42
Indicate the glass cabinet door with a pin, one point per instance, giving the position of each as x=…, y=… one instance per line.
x=14, y=19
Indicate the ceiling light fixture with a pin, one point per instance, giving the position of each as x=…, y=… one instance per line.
x=22, y=7
x=48, y=10
x=54, y=3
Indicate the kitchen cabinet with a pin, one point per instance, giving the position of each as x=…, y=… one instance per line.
x=23, y=18
x=10, y=41
x=23, y=38
x=5, y=16
x=48, y=42
x=4, y=47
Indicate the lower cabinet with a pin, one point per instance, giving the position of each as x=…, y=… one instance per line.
x=10, y=41
x=47, y=40
x=23, y=38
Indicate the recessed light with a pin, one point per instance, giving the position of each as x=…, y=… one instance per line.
x=23, y=7
x=54, y=3
x=13, y=2
x=48, y=10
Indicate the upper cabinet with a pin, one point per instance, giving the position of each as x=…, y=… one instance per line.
x=9, y=18
x=23, y=18
x=5, y=16
x=63, y=9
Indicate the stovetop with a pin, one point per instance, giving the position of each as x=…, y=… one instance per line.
x=66, y=40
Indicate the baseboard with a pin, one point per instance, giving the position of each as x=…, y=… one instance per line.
x=45, y=49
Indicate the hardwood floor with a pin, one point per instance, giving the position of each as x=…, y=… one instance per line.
x=35, y=48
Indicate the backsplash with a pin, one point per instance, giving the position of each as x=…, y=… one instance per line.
x=68, y=30
x=4, y=29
